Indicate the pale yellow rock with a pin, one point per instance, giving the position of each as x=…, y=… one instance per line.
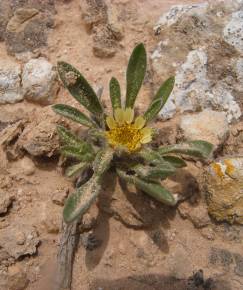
x=224, y=183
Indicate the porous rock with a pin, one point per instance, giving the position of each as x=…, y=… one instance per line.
x=39, y=81
x=10, y=240
x=209, y=125
x=10, y=82
x=204, y=62
x=233, y=31
x=224, y=189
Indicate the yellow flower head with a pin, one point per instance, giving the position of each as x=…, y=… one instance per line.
x=126, y=133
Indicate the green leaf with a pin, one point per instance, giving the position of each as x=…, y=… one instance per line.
x=150, y=156
x=135, y=74
x=198, y=148
x=162, y=171
x=79, y=87
x=67, y=137
x=115, y=94
x=82, y=153
x=76, y=168
x=73, y=114
x=81, y=200
x=175, y=161
x=155, y=190
x=160, y=99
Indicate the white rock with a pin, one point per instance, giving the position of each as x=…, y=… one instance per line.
x=233, y=31
x=176, y=12
x=211, y=126
x=10, y=82
x=193, y=92
x=39, y=81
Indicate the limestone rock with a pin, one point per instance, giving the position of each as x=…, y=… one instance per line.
x=209, y=125
x=193, y=91
x=224, y=188
x=27, y=166
x=6, y=200
x=206, y=65
x=233, y=31
x=10, y=82
x=10, y=240
x=39, y=81
x=51, y=218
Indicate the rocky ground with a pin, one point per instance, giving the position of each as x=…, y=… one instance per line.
x=127, y=241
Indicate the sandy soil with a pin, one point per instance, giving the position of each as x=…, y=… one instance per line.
x=164, y=249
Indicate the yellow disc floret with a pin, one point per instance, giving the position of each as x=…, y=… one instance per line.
x=123, y=132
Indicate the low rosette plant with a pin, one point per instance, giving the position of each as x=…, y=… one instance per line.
x=121, y=140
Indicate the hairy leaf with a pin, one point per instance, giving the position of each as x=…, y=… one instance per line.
x=76, y=169
x=79, y=87
x=135, y=74
x=162, y=171
x=115, y=94
x=67, y=137
x=83, y=153
x=198, y=148
x=73, y=114
x=160, y=99
x=175, y=161
x=80, y=201
x=155, y=190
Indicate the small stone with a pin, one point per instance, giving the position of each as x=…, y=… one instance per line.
x=27, y=166
x=59, y=196
x=197, y=214
x=20, y=238
x=51, y=218
x=207, y=125
x=10, y=82
x=6, y=200
x=39, y=81
x=208, y=233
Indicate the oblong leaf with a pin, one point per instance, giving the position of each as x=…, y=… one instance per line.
x=115, y=94
x=82, y=153
x=76, y=168
x=135, y=74
x=80, y=201
x=161, y=171
x=67, y=137
x=155, y=190
x=198, y=148
x=79, y=88
x=73, y=114
x=175, y=161
x=160, y=99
